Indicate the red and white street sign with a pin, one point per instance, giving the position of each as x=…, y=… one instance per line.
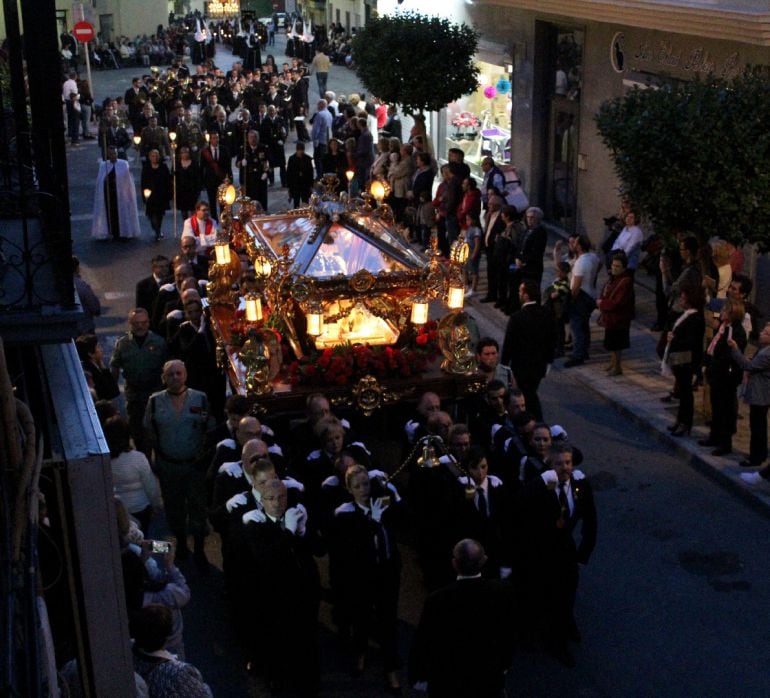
x=84, y=32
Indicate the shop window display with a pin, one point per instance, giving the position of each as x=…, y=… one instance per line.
x=480, y=123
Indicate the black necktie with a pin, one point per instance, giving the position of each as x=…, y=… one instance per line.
x=482, y=503
x=215, y=154
x=563, y=501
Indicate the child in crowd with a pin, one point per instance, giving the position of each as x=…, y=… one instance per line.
x=426, y=215
x=473, y=238
x=556, y=299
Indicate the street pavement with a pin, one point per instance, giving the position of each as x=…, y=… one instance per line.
x=674, y=600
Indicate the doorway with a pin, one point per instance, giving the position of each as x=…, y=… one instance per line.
x=561, y=76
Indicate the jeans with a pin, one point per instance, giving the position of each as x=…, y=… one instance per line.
x=758, y=439
x=580, y=314
x=321, y=78
x=85, y=119
x=73, y=122
x=319, y=151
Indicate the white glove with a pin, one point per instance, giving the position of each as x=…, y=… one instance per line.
x=232, y=469
x=295, y=520
x=378, y=509
x=505, y=572
x=550, y=478
x=377, y=473
x=292, y=484
x=331, y=481
x=254, y=515
x=243, y=162
x=237, y=501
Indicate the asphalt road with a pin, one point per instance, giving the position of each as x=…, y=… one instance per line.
x=673, y=602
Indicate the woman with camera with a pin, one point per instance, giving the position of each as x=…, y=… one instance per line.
x=724, y=376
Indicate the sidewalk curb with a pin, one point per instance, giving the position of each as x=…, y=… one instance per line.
x=728, y=476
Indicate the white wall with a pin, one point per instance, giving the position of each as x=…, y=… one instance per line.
x=454, y=10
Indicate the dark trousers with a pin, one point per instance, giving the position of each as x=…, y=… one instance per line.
x=491, y=276
x=184, y=498
x=724, y=411
x=322, y=78
x=758, y=426
x=579, y=322
x=303, y=196
x=683, y=388
x=135, y=406
x=319, y=151
x=73, y=122
x=156, y=222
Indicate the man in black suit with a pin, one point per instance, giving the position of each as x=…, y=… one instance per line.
x=552, y=506
x=274, y=137
x=300, y=176
x=485, y=513
x=529, y=253
x=464, y=641
x=529, y=345
x=147, y=288
x=135, y=98
x=283, y=577
x=216, y=165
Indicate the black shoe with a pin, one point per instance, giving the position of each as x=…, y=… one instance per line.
x=668, y=398
x=721, y=451
x=569, y=363
x=681, y=430
x=706, y=442
x=749, y=464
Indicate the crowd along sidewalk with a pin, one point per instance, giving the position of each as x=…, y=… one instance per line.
x=637, y=393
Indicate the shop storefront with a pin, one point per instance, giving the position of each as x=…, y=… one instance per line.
x=480, y=123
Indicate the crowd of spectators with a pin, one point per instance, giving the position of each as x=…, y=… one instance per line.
x=500, y=478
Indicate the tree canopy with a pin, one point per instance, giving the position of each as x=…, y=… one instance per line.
x=696, y=156
x=419, y=62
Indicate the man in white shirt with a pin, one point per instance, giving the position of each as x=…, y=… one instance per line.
x=69, y=95
x=630, y=241
x=202, y=227
x=583, y=289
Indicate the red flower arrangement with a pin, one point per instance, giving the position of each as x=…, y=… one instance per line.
x=466, y=119
x=346, y=363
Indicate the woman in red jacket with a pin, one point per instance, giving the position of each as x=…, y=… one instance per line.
x=616, y=304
